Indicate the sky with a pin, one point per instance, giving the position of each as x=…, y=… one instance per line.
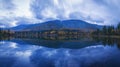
x=18, y=12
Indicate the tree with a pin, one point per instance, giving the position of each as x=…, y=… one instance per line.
x=118, y=29
x=111, y=30
x=0, y=30
x=104, y=30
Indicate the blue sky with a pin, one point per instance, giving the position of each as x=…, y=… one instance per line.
x=16, y=12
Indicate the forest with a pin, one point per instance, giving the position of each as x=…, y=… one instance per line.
x=108, y=31
x=105, y=31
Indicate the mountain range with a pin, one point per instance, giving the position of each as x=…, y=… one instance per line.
x=56, y=25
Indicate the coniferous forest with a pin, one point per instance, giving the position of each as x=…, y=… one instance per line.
x=108, y=31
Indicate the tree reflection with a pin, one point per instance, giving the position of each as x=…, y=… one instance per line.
x=73, y=42
x=5, y=38
x=108, y=41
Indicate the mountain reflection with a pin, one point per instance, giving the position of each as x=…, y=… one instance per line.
x=39, y=56
x=68, y=43
x=72, y=44
x=90, y=52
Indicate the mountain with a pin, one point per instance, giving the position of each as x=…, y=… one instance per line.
x=20, y=27
x=57, y=24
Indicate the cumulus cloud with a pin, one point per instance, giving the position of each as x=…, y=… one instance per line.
x=94, y=11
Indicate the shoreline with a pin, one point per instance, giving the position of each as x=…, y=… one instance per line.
x=111, y=36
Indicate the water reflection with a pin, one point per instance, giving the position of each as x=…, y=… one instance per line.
x=71, y=44
x=94, y=56
x=96, y=52
x=108, y=41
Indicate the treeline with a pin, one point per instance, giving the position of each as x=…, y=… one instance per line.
x=108, y=30
x=5, y=33
x=49, y=33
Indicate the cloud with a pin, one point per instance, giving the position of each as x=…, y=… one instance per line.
x=6, y=8
x=103, y=12
x=7, y=22
x=6, y=4
x=14, y=12
x=15, y=21
x=22, y=8
x=95, y=11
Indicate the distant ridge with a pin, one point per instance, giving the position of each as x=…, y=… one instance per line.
x=57, y=24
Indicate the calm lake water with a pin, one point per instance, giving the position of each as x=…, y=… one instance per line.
x=87, y=52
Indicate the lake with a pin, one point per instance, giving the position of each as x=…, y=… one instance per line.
x=86, y=52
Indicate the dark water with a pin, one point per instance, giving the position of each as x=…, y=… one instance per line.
x=87, y=52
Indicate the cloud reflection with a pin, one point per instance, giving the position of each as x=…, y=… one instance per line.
x=39, y=56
